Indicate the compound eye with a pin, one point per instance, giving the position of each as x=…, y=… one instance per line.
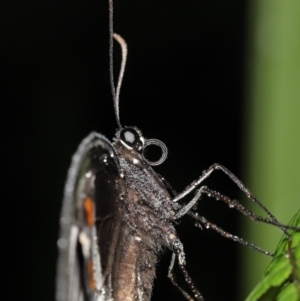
x=131, y=139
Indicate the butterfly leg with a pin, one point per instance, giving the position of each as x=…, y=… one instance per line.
x=178, y=252
x=186, y=208
x=209, y=225
x=231, y=203
x=242, y=187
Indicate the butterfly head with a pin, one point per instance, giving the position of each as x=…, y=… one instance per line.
x=131, y=139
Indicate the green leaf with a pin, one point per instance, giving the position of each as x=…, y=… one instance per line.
x=281, y=279
x=289, y=293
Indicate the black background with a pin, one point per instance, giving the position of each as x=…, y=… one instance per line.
x=183, y=85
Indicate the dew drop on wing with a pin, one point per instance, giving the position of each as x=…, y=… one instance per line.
x=62, y=243
x=88, y=174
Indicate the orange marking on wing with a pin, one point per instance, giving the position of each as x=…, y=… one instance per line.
x=89, y=210
x=91, y=275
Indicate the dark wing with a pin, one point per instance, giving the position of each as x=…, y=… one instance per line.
x=90, y=222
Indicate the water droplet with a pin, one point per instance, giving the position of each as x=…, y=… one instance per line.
x=231, y=205
x=207, y=226
x=148, y=265
x=135, y=161
x=88, y=174
x=198, y=225
x=62, y=243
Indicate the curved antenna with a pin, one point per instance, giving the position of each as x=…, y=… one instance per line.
x=116, y=91
x=123, y=45
x=163, y=148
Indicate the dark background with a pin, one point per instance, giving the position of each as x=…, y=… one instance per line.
x=183, y=85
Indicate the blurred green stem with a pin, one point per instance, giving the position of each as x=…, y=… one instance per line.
x=272, y=116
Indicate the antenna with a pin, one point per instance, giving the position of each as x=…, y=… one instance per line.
x=116, y=91
x=123, y=45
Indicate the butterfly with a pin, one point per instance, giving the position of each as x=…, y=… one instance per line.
x=118, y=214
x=116, y=217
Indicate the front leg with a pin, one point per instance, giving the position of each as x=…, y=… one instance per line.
x=206, y=174
x=185, y=209
x=209, y=225
x=242, y=187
